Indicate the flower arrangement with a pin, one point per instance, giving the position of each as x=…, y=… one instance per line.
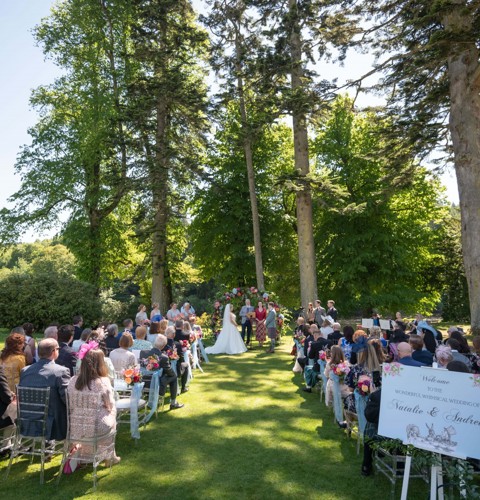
x=476, y=380
x=364, y=385
x=151, y=363
x=341, y=369
x=322, y=355
x=88, y=346
x=193, y=337
x=172, y=354
x=185, y=345
x=391, y=369
x=132, y=375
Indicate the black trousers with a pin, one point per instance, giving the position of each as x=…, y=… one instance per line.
x=247, y=326
x=169, y=381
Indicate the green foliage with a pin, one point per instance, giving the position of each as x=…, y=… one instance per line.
x=376, y=239
x=455, y=299
x=222, y=213
x=43, y=297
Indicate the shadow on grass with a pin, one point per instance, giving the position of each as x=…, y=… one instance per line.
x=247, y=431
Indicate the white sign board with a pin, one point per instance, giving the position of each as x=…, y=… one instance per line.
x=367, y=322
x=432, y=409
x=385, y=324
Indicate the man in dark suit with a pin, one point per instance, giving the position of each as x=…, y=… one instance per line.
x=66, y=356
x=46, y=373
x=318, y=344
x=336, y=335
x=418, y=352
x=169, y=377
x=182, y=366
x=179, y=335
x=405, y=355
x=331, y=311
x=77, y=327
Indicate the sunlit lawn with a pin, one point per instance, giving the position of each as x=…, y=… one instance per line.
x=247, y=431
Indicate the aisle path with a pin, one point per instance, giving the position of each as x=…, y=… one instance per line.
x=247, y=431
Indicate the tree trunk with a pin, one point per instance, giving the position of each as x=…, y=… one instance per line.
x=247, y=147
x=464, y=77
x=306, y=245
x=159, y=180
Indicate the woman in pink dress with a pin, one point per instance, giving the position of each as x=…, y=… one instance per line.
x=93, y=379
x=260, y=316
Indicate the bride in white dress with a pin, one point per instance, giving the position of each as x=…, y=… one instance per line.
x=229, y=340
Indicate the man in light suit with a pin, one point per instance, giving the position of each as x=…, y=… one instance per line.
x=46, y=373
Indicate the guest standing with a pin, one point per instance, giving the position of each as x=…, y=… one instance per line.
x=245, y=320
x=270, y=324
x=260, y=316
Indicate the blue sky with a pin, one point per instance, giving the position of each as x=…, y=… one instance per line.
x=24, y=68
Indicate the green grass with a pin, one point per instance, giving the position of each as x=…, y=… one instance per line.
x=247, y=431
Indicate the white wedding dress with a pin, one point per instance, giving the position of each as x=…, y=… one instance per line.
x=229, y=340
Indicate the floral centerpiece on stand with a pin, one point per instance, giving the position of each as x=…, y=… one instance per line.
x=185, y=345
x=151, y=363
x=342, y=369
x=132, y=375
x=172, y=354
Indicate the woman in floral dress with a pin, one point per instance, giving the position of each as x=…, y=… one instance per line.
x=93, y=379
x=260, y=316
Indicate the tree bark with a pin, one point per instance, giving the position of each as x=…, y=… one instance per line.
x=247, y=147
x=463, y=71
x=306, y=245
x=159, y=179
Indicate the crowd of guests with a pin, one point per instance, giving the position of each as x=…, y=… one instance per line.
x=357, y=355
x=71, y=359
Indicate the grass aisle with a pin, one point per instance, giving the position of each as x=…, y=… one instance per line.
x=247, y=431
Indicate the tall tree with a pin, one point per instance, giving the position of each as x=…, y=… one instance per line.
x=378, y=237
x=79, y=160
x=169, y=107
x=429, y=54
x=235, y=43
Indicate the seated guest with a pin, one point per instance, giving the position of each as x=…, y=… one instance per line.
x=179, y=333
x=376, y=333
x=140, y=343
x=182, y=366
x=458, y=366
x=475, y=355
x=66, y=357
x=368, y=365
x=7, y=396
x=122, y=358
x=346, y=342
x=51, y=332
x=76, y=344
x=456, y=347
x=127, y=328
x=111, y=339
x=359, y=337
x=463, y=348
x=157, y=327
x=418, y=352
x=169, y=377
x=12, y=358
x=428, y=339
x=336, y=357
x=372, y=415
x=29, y=354
x=187, y=328
x=336, y=335
x=29, y=330
x=47, y=373
x=405, y=355
x=97, y=336
x=77, y=327
x=93, y=379
x=443, y=355
x=326, y=329
x=318, y=344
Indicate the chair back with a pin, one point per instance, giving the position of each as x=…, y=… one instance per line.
x=32, y=410
x=82, y=415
